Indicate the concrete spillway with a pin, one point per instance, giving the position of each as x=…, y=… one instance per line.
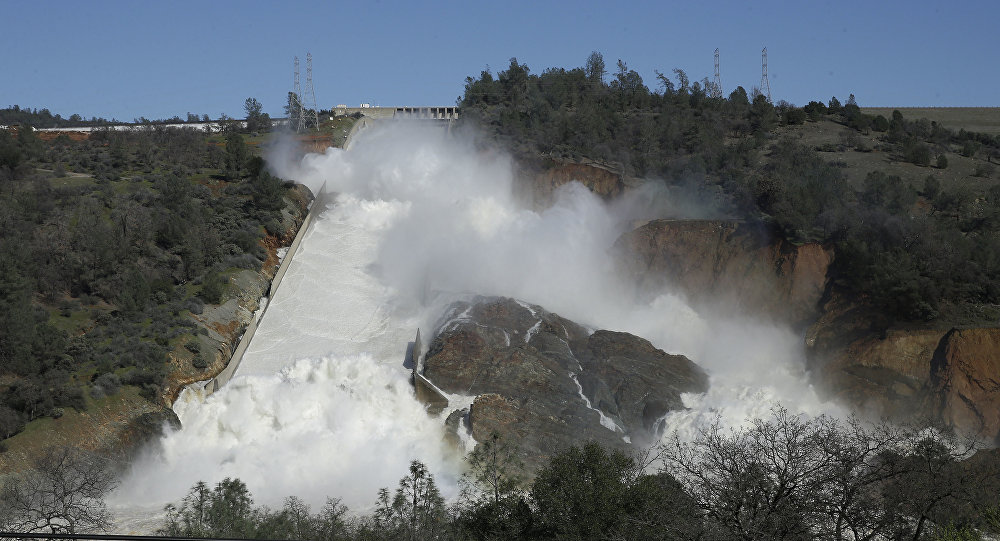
x=322, y=405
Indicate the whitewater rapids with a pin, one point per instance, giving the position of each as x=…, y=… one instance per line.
x=321, y=405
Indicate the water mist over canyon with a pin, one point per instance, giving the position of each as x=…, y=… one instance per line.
x=321, y=405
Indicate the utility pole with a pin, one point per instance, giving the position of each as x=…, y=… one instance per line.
x=717, y=89
x=297, y=91
x=310, y=92
x=765, y=86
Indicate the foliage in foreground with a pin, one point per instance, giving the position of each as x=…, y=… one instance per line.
x=785, y=477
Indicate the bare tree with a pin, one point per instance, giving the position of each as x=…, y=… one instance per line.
x=790, y=477
x=755, y=483
x=63, y=494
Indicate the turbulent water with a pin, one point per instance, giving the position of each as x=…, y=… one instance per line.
x=321, y=405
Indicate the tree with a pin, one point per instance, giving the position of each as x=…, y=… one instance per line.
x=755, y=483
x=789, y=477
x=237, y=155
x=592, y=493
x=932, y=187
x=594, y=68
x=917, y=153
x=416, y=510
x=257, y=121
x=834, y=107
x=224, y=511
x=493, y=503
x=63, y=494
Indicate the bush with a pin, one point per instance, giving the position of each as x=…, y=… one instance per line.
x=942, y=161
x=969, y=148
x=193, y=346
x=918, y=153
x=213, y=287
x=932, y=187
x=880, y=124
x=795, y=116
x=199, y=362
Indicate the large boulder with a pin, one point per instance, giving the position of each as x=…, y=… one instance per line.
x=734, y=264
x=546, y=383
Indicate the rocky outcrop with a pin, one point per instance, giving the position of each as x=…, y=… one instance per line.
x=965, y=375
x=950, y=376
x=733, y=264
x=546, y=382
x=540, y=179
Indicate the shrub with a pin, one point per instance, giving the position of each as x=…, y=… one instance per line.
x=213, y=287
x=918, y=153
x=880, y=124
x=969, y=148
x=932, y=187
x=942, y=161
x=199, y=362
x=795, y=116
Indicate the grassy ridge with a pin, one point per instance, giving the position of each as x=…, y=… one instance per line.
x=977, y=119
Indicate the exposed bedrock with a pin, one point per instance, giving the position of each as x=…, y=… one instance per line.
x=735, y=265
x=947, y=375
x=539, y=179
x=546, y=383
x=855, y=355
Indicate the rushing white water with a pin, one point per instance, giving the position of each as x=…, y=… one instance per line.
x=321, y=405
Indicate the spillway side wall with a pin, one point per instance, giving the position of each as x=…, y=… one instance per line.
x=214, y=384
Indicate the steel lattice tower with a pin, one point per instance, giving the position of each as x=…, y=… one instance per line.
x=297, y=92
x=765, y=86
x=717, y=89
x=310, y=92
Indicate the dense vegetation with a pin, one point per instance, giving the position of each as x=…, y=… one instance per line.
x=15, y=115
x=107, y=245
x=781, y=477
x=913, y=251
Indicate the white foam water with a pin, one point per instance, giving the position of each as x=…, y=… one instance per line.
x=321, y=404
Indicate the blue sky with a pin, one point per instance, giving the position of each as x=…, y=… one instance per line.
x=165, y=58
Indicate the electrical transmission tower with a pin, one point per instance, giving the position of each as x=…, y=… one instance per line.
x=296, y=108
x=765, y=86
x=717, y=88
x=310, y=92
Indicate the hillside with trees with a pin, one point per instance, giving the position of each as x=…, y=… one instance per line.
x=109, y=246
x=911, y=208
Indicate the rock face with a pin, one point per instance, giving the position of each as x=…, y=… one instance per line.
x=948, y=375
x=539, y=180
x=546, y=382
x=729, y=263
x=965, y=375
